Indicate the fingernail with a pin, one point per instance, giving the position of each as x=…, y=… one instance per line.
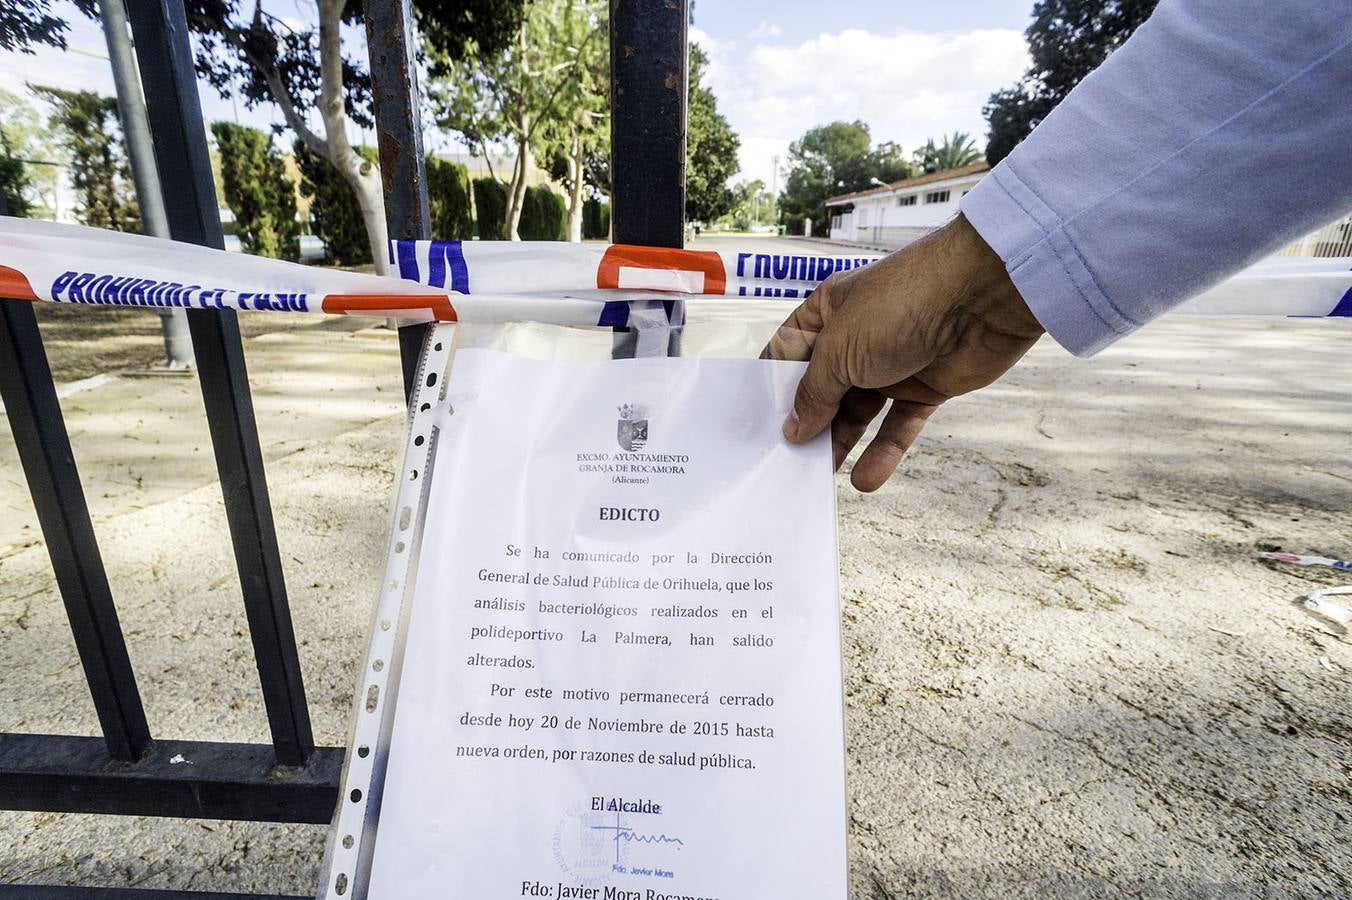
x=791, y=426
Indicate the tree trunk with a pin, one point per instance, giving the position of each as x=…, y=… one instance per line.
x=371, y=199
x=575, y=170
x=361, y=175
x=516, y=191
x=513, y=218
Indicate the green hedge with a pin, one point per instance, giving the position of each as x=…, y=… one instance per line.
x=595, y=220
x=14, y=185
x=335, y=216
x=543, y=215
x=490, y=209
x=448, y=195
x=260, y=195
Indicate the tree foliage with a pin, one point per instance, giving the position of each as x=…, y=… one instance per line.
x=246, y=51
x=467, y=28
x=448, y=196
x=956, y=150
x=490, y=209
x=14, y=184
x=1067, y=40
x=753, y=205
x=32, y=155
x=543, y=82
x=888, y=163
x=258, y=192
x=830, y=160
x=598, y=170
x=92, y=139
x=265, y=59
x=20, y=133
x=578, y=130
x=711, y=148
x=25, y=23
x=335, y=216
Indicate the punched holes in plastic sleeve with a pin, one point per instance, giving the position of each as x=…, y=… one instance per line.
x=371, y=701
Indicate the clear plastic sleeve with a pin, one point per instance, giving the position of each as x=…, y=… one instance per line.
x=644, y=598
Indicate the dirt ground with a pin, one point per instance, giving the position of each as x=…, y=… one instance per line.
x=1066, y=675
x=80, y=345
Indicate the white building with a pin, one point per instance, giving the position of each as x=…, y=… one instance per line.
x=893, y=215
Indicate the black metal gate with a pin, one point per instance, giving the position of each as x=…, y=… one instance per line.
x=127, y=771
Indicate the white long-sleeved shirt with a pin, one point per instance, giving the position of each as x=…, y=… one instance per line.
x=1221, y=131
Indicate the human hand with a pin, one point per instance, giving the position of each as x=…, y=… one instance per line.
x=936, y=319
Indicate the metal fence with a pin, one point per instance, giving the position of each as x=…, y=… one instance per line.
x=128, y=771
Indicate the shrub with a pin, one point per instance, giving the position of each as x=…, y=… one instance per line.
x=448, y=196
x=595, y=220
x=335, y=216
x=490, y=209
x=543, y=215
x=258, y=192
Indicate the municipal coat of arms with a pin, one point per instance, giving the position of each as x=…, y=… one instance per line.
x=632, y=429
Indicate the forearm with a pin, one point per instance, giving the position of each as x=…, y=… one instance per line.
x=1217, y=134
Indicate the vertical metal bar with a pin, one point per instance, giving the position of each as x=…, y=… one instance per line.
x=145, y=174
x=648, y=72
x=164, y=55
x=44, y=448
x=648, y=87
x=132, y=111
x=165, y=59
x=390, y=42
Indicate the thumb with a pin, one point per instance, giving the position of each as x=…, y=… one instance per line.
x=819, y=394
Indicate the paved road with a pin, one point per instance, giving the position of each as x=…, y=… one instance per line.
x=799, y=245
x=765, y=244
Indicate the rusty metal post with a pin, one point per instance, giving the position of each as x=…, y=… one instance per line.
x=648, y=66
x=649, y=75
x=394, y=83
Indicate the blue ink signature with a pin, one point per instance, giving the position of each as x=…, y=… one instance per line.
x=625, y=833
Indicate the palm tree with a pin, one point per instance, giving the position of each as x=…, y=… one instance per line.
x=956, y=151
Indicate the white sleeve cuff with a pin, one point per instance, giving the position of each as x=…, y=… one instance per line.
x=1044, y=263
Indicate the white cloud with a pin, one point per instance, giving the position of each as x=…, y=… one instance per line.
x=710, y=44
x=764, y=30
x=757, y=157
x=908, y=86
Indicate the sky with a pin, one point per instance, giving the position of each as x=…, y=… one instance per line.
x=84, y=66
x=911, y=70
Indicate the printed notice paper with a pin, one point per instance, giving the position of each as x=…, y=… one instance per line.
x=622, y=674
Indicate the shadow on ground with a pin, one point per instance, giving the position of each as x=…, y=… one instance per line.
x=1066, y=675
